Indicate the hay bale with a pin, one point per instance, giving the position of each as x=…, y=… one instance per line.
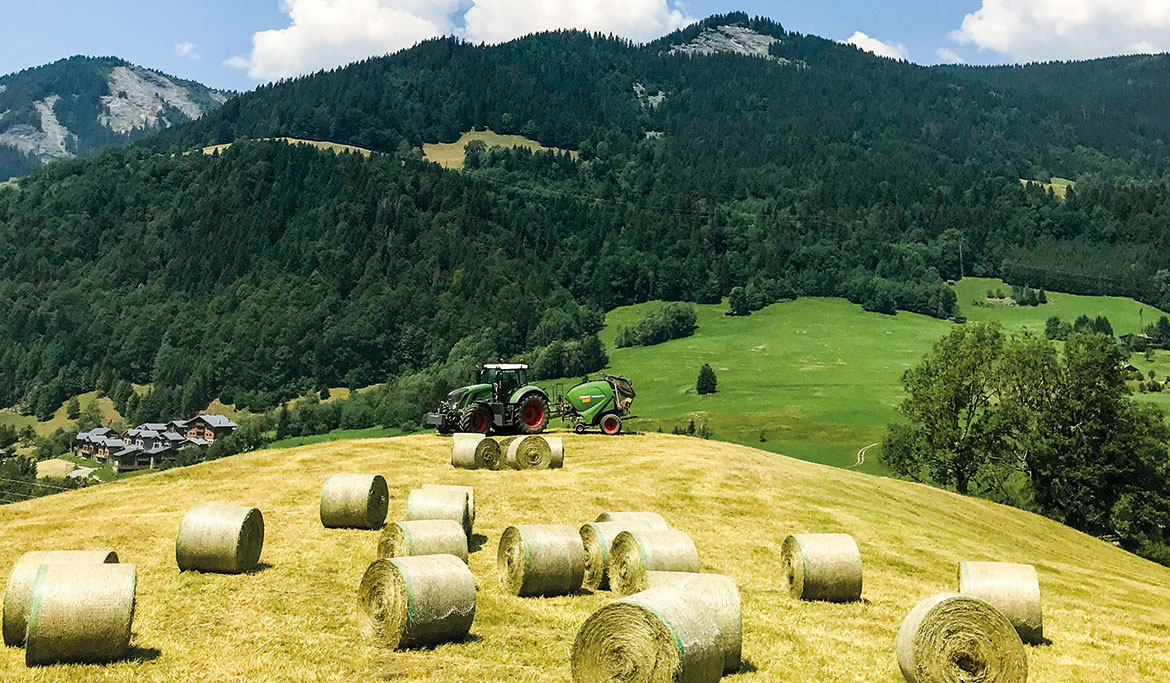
x=652, y=520
x=409, y=602
x=18, y=590
x=354, y=501
x=822, y=567
x=540, y=559
x=469, y=490
x=637, y=552
x=80, y=613
x=951, y=638
x=423, y=537
x=474, y=452
x=219, y=538
x=1013, y=589
x=598, y=537
x=657, y=635
x=557, y=445
x=436, y=503
x=533, y=452
x=720, y=595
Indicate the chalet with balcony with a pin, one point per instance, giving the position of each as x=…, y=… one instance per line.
x=208, y=427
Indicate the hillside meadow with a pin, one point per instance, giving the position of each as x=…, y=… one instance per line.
x=295, y=618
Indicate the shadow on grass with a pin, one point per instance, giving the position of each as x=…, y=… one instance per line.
x=260, y=567
x=746, y=666
x=477, y=542
x=143, y=654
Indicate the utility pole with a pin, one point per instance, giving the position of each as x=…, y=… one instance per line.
x=961, y=275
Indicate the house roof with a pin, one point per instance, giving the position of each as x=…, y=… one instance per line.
x=148, y=434
x=114, y=443
x=101, y=431
x=129, y=450
x=216, y=421
x=174, y=436
x=153, y=426
x=132, y=432
x=197, y=442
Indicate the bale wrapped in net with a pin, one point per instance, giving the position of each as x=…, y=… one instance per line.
x=18, y=590
x=437, y=503
x=721, y=595
x=407, y=602
x=354, y=501
x=80, y=613
x=534, y=452
x=959, y=639
x=651, y=520
x=1013, y=589
x=423, y=537
x=557, y=445
x=469, y=490
x=540, y=559
x=657, y=636
x=474, y=452
x=219, y=538
x=822, y=567
x=637, y=552
x=598, y=537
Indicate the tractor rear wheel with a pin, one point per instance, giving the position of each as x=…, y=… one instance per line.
x=475, y=419
x=533, y=414
x=611, y=424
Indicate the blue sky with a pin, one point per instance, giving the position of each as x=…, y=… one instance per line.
x=238, y=43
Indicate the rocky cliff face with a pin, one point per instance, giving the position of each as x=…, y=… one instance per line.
x=732, y=39
x=79, y=105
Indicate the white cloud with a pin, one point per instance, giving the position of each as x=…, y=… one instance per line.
x=328, y=33
x=878, y=47
x=496, y=21
x=1036, y=30
x=187, y=49
x=948, y=56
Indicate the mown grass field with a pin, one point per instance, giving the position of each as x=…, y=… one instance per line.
x=451, y=154
x=335, y=147
x=1105, y=610
x=1059, y=186
x=819, y=379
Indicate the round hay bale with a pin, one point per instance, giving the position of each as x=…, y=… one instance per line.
x=658, y=635
x=474, y=452
x=423, y=537
x=1013, y=589
x=532, y=452
x=219, y=538
x=469, y=490
x=80, y=613
x=637, y=552
x=354, y=501
x=822, y=567
x=540, y=559
x=598, y=537
x=956, y=638
x=557, y=445
x=409, y=602
x=720, y=594
x=18, y=590
x=652, y=520
x=437, y=503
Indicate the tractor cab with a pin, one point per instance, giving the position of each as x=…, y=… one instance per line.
x=504, y=378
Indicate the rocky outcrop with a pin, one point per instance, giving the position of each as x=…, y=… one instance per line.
x=139, y=97
x=732, y=39
x=48, y=141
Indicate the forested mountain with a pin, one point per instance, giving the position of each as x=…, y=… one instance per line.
x=77, y=105
x=792, y=166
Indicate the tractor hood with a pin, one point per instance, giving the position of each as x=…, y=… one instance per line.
x=461, y=395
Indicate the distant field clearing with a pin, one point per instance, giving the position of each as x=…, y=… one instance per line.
x=334, y=147
x=1059, y=186
x=54, y=468
x=451, y=154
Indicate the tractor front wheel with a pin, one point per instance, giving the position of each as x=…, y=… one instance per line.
x=611, y=424
x=533, y=412
x=475, y=419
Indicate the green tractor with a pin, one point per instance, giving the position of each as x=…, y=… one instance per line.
x=501, y=401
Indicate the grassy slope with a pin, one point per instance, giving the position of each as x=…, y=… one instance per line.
x=334, y=147
x=450, y=154
x=820, y=378
x=1059, y=186
x=295, y=620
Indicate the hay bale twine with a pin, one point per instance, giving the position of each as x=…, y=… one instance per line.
x=474, y=452
x=436, y=503
x=720, y=594
x=18, y=590
x=540, y=559
x=219, y=538
x=469, y=490
x=1013, y=589
x=80, y=613
x=652, y=520
x=822, y=567
x=423, y=537
x=419, y=601
x=657, y=635
x=598, y=537
x=957, y=638
x=354, y=501
x=533, y=452
x=637, y=552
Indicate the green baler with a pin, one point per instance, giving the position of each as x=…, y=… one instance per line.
x=600, y=403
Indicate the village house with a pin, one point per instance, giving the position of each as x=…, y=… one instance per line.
x=209, y=427
x=152, y=444
x=86, y=444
